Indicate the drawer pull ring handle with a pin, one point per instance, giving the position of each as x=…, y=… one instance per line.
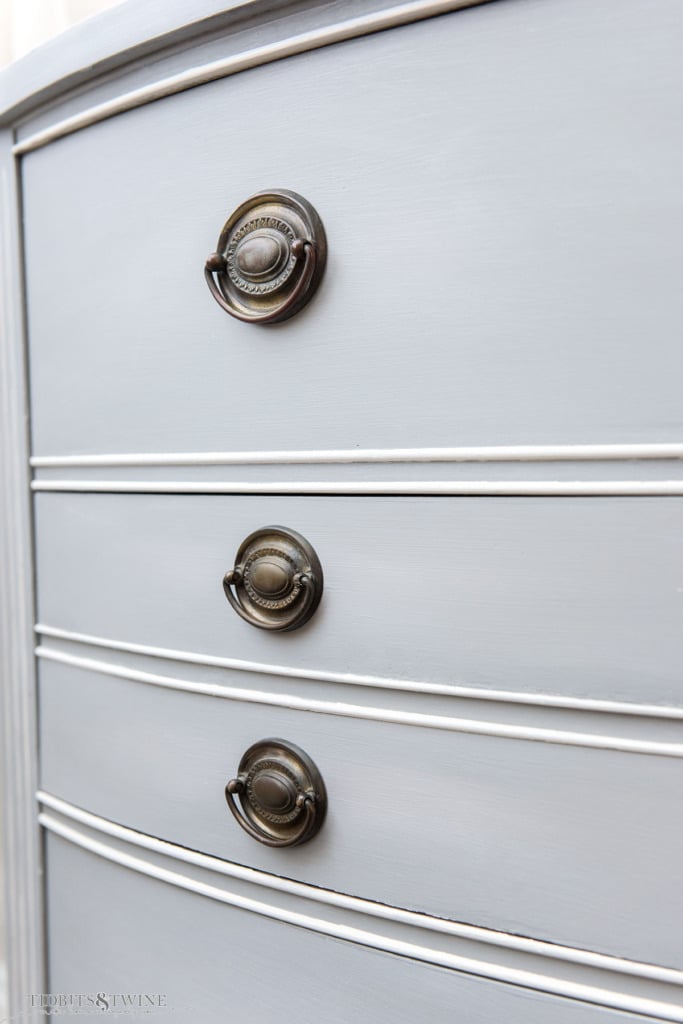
x=281, y=792
x=277, y=580
x=269, y=259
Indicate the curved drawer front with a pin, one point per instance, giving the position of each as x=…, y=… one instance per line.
x=487, y=690
x=572, y=596
x=533, y=834
x=500, y=252
x=179, y=956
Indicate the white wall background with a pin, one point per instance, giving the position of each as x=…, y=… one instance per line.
x=25, y=24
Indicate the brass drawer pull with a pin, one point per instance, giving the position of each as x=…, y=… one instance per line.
x=281, y=792
x=277, y=580
x=269, y=259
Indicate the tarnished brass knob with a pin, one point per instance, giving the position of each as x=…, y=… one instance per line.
x=269, y=259
x=277, y=580
x=281, y=792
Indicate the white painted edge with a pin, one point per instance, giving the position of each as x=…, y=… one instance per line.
x=204, y=73
x=491, y=453
x=413, y=951
x=291, y=701
x=549, y=700
x=511, y=488
x=385, y=911
x=19, y=832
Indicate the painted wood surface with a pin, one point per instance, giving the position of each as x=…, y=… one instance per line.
x=496, y=956
x=570, y=845
x=20, y=835
x=211, y=961
x=501, y=192
x=209, y=54
x=501, y=258
x=499, y=956
x=156, y=37
x=89, y=50
x=574, y=596
x=614, y=468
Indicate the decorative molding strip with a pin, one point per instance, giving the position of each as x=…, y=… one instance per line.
x=511, y=488
x=353, y=28
x=396, y=717
x=382, y=910
x=548, y=700
x=19, y=833
x=537, y=951
x=491, y=453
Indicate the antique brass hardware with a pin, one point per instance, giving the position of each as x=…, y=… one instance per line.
x=269, y=259
x=277, y=580
x=281, y=792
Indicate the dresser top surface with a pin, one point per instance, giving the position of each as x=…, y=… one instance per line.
x=103, y=43
x=142, y=30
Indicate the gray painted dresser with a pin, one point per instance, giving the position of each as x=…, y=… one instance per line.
x=475, y=422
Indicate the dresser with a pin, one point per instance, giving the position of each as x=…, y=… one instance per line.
x=343, y=563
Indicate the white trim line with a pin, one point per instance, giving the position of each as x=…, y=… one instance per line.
x=512, y=488
x=492, y=453
x=204, y=73
x=19, y=834
x=385, y=911
x=549, y=700
x=508, y=975
x=463, y=725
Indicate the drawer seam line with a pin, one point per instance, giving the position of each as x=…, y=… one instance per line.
x=442, y=722
x=507, y=975
x=508, y=940
x=379, y=682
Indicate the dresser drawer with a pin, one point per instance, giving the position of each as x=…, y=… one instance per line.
x=556, y=835
x=501, y=233
x=182, y=956
x=474, y=425
x=573, y=596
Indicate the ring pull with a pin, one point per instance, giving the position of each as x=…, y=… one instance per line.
x=281, y=792
x=277, y=580
x=307, y=801
x=217, y=264
x=269, y=259
x=300, y=614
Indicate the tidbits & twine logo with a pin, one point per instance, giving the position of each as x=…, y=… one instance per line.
x=54, y=1003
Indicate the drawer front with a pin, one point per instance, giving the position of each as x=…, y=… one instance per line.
x=500, y=256
x=547, y=839
x=571, y=596
x=189, y=957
